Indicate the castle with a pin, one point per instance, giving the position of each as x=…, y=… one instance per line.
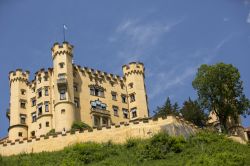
x=66, y=93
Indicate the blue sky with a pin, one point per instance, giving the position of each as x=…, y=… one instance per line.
x=171, y=37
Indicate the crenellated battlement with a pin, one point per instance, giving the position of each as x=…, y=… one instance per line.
x=19, y=75
x=99, y=74
x=117, y=133
x=64, y=48
x=133, y=68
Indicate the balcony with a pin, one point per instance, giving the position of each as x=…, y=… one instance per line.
x=62, y=82
x=98, y=111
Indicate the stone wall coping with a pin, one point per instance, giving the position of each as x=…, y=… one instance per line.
x=109, y=128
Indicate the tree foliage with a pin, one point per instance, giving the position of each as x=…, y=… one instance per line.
x=192, y=111
x=78, y=125
x=220, y=90
x=167, y=109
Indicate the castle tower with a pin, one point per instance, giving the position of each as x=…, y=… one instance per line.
x=134, y=80
x=18, y=104
x=63, y=86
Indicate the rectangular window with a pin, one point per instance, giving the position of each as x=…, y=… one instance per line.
x=22, y=119
x=132, y=98
x=33, y=102
x=33, y=117
x=47, y=124
x=61, y=65
x=23, y=92
x=96, y=92
x=134, y=112
x=62, y=95
x=115, y=109
x=76, y=103
x=125, y=113
x=124, y=99
x=130, y=85
x=40, y=109
x=33, y=134
x=23, y=104
x=92, y=91
x=63, y=111
x=20, y=134
x=62, y=76
x=39, y=91
x=114, y=94
x=46, y=93
x=40, y=125
x=46, y=103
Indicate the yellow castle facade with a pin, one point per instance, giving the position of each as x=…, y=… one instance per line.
x=67, y=93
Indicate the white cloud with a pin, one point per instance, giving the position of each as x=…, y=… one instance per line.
x=138, y=37
x=248, y=18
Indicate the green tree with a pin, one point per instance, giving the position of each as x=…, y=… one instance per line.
x=167, y=109
x=192, y=111
x=220, y=90
x=78, y=125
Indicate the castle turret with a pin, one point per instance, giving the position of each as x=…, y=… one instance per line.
x=18, y=104
x=63, y=86
x=134, y=79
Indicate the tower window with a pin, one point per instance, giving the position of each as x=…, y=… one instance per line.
x=23, y=104
x=20, y=134
x=22, y=119
x=40, y=109
x=76, y=100
x=39, y=92
x=33, y=101
x=130, y=85
x=40, y=125
x=114, y=94
x=61, y=65
x=47, y=124
x=63, y=111
x=23, y=92
x=46, y=103
x=46, y=93
x=115, y=109
x=33, y=117
x=134, y=112
x=62, y=76
x=132, y=98
x=125, y=113
x=62, y=94
x=124, y=98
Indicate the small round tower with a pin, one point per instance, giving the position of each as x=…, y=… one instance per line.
x=134, y=80
x=62, y=55
x=18, y=104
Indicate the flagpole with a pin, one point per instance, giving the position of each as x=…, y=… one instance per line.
x=63, y=33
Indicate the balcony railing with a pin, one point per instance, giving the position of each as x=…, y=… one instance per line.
x=100, y=111
x=62, y=82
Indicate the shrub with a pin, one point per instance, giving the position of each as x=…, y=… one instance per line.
x=51, y=132
x=78, y=125
x=160, y=145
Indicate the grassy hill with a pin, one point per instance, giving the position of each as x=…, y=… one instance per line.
x=203, y=149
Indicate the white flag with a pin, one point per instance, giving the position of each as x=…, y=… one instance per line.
x=65, y=27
